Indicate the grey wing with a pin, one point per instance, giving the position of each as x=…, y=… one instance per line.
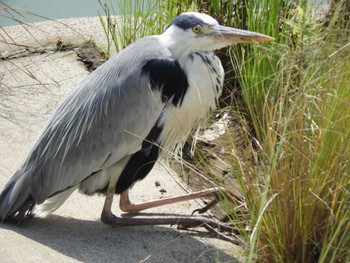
x=103, y=120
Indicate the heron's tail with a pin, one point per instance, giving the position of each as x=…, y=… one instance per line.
x=16, y=199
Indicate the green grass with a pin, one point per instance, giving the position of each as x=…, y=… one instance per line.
x=296, y=98
x=137, y=19
x=298, y=192
x=292, y=103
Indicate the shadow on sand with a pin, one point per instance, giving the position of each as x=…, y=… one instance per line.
x=92, y=241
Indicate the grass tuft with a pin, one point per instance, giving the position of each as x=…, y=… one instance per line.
x=296, y=99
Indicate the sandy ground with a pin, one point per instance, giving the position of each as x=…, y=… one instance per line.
x=30, y=87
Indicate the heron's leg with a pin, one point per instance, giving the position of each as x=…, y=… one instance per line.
x=107, y=216
x=212, y=226
x=127, y=206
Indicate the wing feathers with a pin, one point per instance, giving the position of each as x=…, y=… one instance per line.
x=103, y=120
x=110, y=112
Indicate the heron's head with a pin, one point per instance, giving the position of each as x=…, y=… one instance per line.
x=194, y=32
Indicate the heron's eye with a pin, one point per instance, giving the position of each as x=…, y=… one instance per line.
x=196, y=29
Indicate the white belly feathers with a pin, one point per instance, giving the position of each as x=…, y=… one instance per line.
x=205, y=76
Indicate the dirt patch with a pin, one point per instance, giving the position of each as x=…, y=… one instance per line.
x=91, y=56
x=88, y=53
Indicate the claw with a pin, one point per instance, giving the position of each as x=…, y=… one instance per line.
x=206, y=207
x=196, y=211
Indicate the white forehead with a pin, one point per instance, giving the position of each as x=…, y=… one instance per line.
x=206, y=18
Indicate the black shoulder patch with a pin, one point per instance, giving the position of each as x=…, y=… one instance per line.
x=168, y=77
x=141, y=162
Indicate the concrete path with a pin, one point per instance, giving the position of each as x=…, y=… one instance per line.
x=31, y=85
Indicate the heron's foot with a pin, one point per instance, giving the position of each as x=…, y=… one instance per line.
x=206, y=207
x=219, y=195
x=214, y=227
x=220, y=230
x=108, y=218
x=193, y=222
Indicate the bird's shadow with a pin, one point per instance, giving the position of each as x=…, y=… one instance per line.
x=92, y=241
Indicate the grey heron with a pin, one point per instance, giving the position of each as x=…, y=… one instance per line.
x=110, y=130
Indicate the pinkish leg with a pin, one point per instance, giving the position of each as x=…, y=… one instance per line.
x=127, y=206
x=212, y=226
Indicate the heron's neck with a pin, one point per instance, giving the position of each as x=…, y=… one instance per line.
x=180, y=51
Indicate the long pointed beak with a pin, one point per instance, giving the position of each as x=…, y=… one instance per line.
x=234, y=35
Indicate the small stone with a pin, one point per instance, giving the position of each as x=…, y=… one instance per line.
x=157, y=183
x=162, y=190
